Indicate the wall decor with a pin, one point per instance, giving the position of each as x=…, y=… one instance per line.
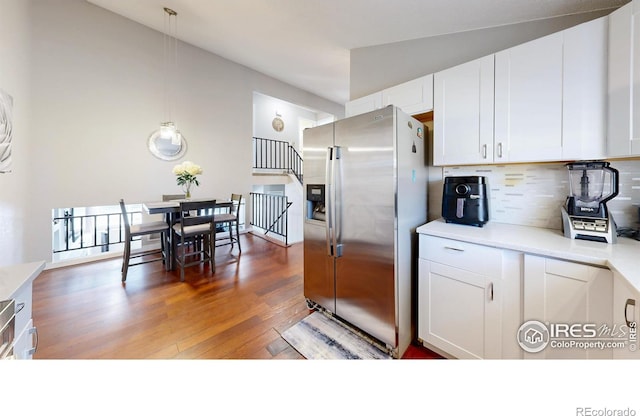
x=6, y=131
x=277, y=124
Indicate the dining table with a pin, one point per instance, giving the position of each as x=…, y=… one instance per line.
x=172, y=213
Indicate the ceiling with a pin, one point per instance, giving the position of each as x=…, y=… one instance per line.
x=306, y=43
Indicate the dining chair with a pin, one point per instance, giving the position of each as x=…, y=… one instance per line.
x=137, y=230
x=201, y=225
x=231, y=219
x=165, y=198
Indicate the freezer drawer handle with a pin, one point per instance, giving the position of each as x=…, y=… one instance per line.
x=629, y=302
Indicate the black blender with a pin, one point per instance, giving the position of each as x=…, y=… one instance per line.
x=585, y=215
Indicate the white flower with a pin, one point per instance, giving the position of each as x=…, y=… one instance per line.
x=186, y=172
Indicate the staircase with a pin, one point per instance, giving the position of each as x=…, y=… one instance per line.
x=271, y=213
x=277, y=156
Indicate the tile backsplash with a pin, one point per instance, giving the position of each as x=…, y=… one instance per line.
x=532, y=194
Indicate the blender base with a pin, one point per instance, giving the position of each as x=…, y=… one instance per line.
x=602, y=230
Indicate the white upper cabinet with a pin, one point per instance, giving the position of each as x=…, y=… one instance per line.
x=528, y=101
x=412, y=97
x=584, y=93
x=623, y=133
x=547, y=102
x=463, y=116
x=363, y=104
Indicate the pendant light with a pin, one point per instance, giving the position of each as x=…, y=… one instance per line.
x=168, y=129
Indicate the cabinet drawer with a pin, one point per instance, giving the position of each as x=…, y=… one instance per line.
x=466, y=256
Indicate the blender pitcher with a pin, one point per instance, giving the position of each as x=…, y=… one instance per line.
x=587, y=182
x=585, y=215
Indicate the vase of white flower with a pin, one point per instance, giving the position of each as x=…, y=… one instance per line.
x=186, y=175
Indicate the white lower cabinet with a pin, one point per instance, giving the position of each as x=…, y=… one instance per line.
x=25, y=339
x=24, y=345
x=566, y=296
x=626, y=316
x=460, y=314
x=462, y=299
x=473, y=301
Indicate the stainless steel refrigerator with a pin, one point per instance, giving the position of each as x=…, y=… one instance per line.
x=365, y=180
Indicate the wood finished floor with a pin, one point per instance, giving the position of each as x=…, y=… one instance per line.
x=85, y=312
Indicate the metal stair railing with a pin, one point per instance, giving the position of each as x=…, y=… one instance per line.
x=278, y=155
x=270, y=213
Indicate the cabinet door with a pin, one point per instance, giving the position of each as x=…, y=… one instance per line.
x=23, y=344
x=626, y=316
x=562, y=292
x=635, y=84
x=624, y=78
x=584, y=90
x=363, y=105
x=463, y=113
x=619, y=81
x=458, y=311
x=412, y=97
x=23, y=298
x=528, y=101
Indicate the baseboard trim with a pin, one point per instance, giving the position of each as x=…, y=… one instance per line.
x=260, y=234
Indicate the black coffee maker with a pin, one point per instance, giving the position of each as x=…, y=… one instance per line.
x=465, y=201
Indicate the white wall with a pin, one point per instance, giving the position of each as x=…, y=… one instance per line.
x=266, y=108
x=95, y=83
x=378, y=67
x=15, y=186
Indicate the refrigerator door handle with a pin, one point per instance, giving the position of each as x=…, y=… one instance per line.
x=328, y=180
x=337, y=202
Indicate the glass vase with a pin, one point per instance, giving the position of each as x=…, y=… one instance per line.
x=186, y=188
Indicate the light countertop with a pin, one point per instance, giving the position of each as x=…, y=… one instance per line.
x=13, y=278
x=623, y=256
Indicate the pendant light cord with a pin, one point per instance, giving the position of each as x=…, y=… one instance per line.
x=170, y=68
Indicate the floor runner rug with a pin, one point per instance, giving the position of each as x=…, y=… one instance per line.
x=319, y=337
